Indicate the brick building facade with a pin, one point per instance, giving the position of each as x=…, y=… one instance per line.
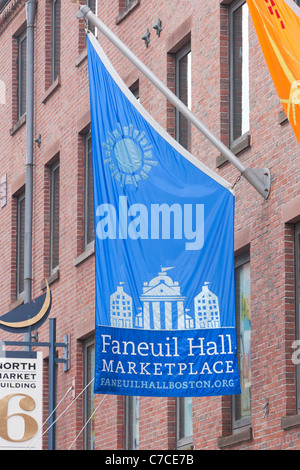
x=209, y=55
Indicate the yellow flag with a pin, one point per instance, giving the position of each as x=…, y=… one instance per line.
x=277, y=25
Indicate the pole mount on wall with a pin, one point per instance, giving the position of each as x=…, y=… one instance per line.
x=260, y=179
x=146, y=37
x=158, y=27
x=263, y=178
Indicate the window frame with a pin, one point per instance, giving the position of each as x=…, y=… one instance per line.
x=88, y=343
x=88, y=190
x=21, y=86
x=233, y=7
x=238, y=424
x=53, y=168
x=19, y=292
x=186, y=442
x=183, y=52
x=55, y=38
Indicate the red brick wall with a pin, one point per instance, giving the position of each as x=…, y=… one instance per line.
x=61, y=114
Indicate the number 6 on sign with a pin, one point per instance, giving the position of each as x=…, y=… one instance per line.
x=26, y=403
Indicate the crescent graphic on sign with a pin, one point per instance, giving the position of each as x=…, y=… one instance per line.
x=36, y=318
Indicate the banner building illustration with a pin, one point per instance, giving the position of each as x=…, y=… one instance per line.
x=164, y=231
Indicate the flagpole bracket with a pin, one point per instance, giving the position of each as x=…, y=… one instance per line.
x=260, y=179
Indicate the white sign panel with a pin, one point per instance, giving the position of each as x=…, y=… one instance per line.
x=21, y=404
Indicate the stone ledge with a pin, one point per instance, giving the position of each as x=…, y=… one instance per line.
x=81, y=57
x=18, y=124
x=235, y=439
x=51, y=89
x=288, y=422
x=86, y=254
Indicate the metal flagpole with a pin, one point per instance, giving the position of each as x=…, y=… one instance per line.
x=260, y=179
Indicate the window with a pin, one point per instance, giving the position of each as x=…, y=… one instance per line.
x=131, y=423
x=21, y=74
x=55, y=39
x=239, y=70
x=297, y=297
x=88, y=193
x=183, y=87
x=89, y=405
x=241, y=409
x=20, y=243
x=92, y=4
x=184, y=421
x=54, y=217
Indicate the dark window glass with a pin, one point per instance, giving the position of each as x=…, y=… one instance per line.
x=54, y=218
x=92, y=4
x=22, y=55
x=239, y=70
x=183, y=91
x=89, y=397
x=20, y=243
x=89, y=198
x=55, y=40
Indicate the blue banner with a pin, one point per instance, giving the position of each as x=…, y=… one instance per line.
x=164, y=231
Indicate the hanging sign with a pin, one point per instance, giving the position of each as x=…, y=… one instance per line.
x=30, y=315
x=21, y=402
x=277, y=25
x=164, y=228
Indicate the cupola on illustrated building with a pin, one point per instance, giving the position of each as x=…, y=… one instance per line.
x=162, y=303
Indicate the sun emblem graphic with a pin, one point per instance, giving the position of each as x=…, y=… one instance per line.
x=128, y=155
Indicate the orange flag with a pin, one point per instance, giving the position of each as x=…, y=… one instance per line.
x=277, y=25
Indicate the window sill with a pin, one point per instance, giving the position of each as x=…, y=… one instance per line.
x=90, y=250
x=288, y=422
x=51, y=89
x=18, y=124
x=238, y=146
x=50, y=279
x=235, y=439
x=124, y=13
